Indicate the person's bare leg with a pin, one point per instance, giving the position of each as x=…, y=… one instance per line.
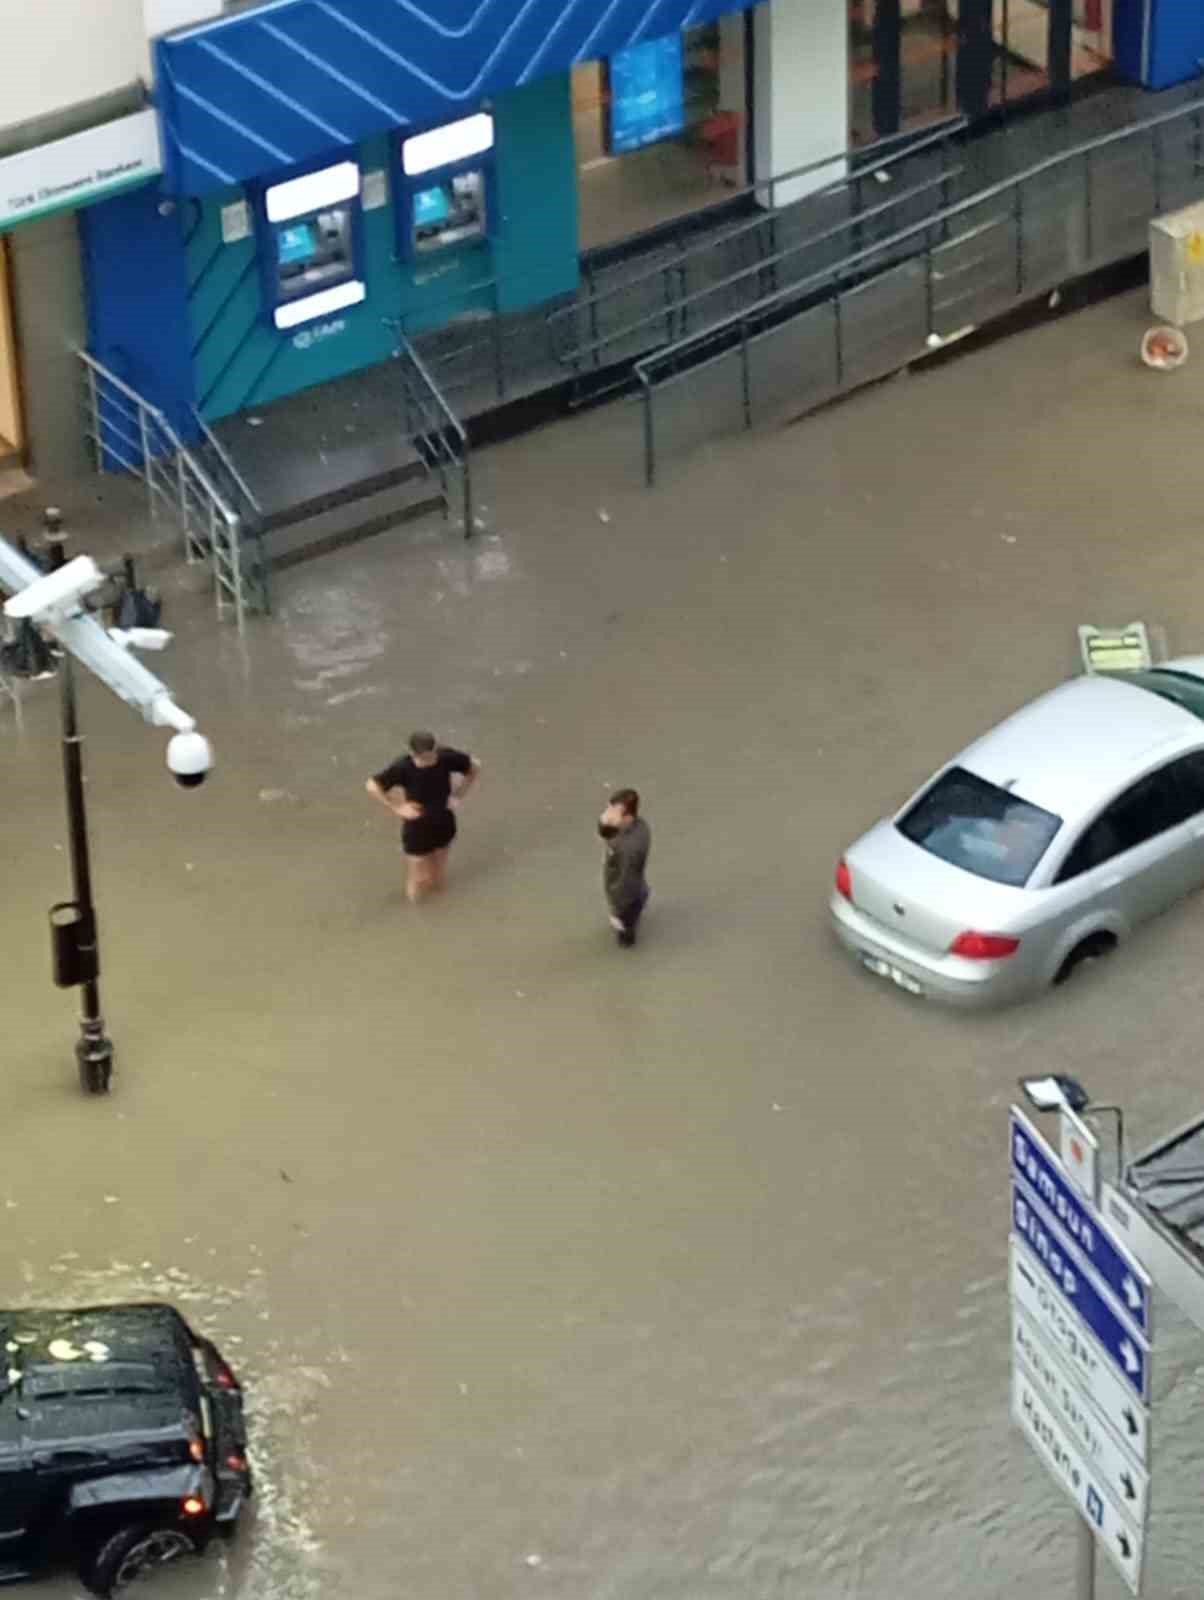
x=417, y=881
x=439, y=870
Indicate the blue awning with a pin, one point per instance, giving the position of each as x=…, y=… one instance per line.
x=290, y=80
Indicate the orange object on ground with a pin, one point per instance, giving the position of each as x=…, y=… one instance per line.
x=1164, y=349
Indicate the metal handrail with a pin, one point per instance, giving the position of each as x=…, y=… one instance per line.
x=445, y=421
x=908, y=139
x=228, y=464
x=428, y=307
x=938, y=137
x=173, y=438
x=1001, y=205
x=605, y=259
x=450, y=418
x=1004, y=186
x=190, y=481
x=770, y=263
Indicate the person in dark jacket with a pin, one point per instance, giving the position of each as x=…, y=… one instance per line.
x=424, y=789
x=628, y=841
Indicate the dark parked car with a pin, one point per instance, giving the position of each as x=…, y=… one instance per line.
x=122, y=1443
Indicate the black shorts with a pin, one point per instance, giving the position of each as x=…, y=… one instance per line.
x=425, y=835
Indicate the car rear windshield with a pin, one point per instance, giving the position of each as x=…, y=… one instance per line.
x=1182, y=688
x=71, y=1380
x=970, y=823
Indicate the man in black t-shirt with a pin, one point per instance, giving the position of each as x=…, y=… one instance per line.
x=424, y=789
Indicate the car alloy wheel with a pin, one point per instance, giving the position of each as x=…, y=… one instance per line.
x=154, y=1550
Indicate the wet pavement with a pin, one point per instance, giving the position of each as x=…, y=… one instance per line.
x=557, y=1270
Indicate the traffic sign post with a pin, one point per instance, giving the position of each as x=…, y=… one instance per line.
x=1069, y=1467
x=1034, y=1163
x=1124, y=1346
x=1081, y=1329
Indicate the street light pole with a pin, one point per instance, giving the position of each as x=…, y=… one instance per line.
x=53, y=602
x=94, y=1050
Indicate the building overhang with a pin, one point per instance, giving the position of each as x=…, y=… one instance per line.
x=280, y=84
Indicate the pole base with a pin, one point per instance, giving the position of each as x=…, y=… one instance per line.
x=94, y=1058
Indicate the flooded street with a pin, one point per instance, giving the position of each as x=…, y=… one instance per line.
x=560, y=1271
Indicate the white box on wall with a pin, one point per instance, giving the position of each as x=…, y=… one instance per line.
x=1177, y=266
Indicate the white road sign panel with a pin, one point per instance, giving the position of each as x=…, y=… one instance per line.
x=1056, y=1319
x=1128, y=1484
x=1076, y=1477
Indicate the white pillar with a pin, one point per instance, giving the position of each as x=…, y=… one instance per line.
x=800, y=92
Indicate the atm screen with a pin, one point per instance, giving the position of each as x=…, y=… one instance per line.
x=297, y=243
x=431, y=206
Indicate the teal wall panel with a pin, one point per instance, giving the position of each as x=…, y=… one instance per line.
x=535, y=253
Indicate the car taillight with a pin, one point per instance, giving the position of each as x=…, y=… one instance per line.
x=235, y=1462
x=196, y=1450
x=984, y=946
x=844, y=879
x=222, y=1375
x=193, y=1506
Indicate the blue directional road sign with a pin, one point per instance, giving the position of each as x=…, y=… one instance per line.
x=1127, y=1351
x=1034, y=1164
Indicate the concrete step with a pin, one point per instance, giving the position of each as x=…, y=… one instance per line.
x=322, y=526
x=318, y=491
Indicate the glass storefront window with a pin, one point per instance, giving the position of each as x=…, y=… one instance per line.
x=661, y=129
x=1092, y=21
x=918, y=61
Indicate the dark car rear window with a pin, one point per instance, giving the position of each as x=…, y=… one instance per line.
x=972, y=824
x=91, y=1378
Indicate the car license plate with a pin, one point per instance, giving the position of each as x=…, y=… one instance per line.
x=883, y=969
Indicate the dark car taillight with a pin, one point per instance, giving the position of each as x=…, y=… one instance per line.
x=984, y=946
x=844, y=880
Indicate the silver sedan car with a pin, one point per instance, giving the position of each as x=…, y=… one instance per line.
x=1040, y=847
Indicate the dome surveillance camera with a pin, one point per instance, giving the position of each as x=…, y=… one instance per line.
x=189, y=759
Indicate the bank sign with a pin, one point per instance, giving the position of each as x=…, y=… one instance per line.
x=79, y=170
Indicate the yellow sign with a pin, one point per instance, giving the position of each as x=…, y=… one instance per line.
x=1115, y=649
x=1195, y=247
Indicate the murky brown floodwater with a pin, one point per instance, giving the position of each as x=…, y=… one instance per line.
x=560, y=1271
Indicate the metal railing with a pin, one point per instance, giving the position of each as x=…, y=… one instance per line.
x=437, y=433
x=925, y=286
x=738, y=264
x=226, y=462
x=466, y=347
x=480, y=355
x=711, y=304
x=130, y=435
x=237, y=491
